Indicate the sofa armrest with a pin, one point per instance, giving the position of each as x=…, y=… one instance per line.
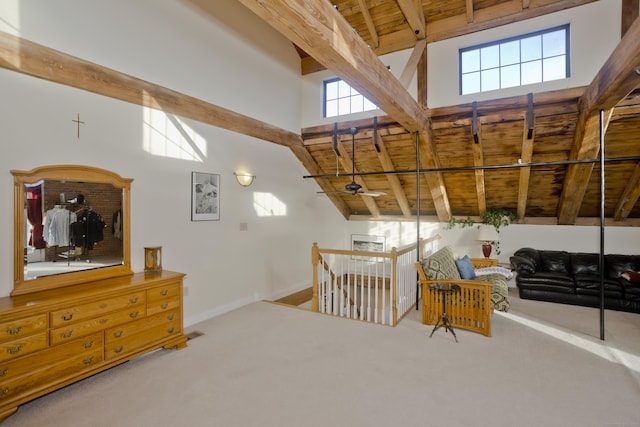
x=523, y=266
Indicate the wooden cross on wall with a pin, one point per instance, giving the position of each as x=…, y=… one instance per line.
x=78, y=122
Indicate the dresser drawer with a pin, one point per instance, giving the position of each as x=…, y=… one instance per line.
x=94, y=309
x=31, y=363
x=79, y=329
x=163, y=292
x=10, y=331
x=57, y=370
x=23, y=346
x=162, y=305
x=131, y=337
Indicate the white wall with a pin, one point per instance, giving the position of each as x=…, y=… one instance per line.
x=595, y=32
x=249, y=69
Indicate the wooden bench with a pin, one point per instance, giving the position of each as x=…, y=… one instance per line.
x=468, y=309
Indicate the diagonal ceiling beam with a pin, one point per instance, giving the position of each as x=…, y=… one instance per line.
x=318, y=29
x=321, y=31
x=414, y=15
x=364, y=9
x=629, y=197
x=615, y=80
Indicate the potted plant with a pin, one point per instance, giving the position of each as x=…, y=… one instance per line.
x=497, y=218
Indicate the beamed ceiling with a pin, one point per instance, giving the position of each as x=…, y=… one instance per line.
x=531, y=155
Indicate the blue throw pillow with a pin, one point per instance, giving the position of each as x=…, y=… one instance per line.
x=467, y=272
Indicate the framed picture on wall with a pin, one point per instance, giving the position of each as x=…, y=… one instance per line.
x=365, y=243
x=205, y=196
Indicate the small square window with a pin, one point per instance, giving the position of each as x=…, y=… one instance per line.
x=341, y=99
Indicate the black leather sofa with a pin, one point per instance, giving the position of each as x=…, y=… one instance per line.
x=574, y=278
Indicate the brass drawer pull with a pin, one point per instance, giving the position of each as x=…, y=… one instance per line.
x=104, y=305
x=103, y=321
x=164, y=292
x=66, y=334
x=134, y=314
x=164, y=306
x=171, y=330
x=88, y=361
x=67, y=316
x=118, y=349
x=4, y=372
x=171, y=316
x=133, y=300
x=88, y=344
x=117, y=334
x=15, y=330
x=4, y=392
x=14, y=350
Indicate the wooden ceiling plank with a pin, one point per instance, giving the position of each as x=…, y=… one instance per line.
x=320, y=30
x=414, y=18
x=364, y=9
x=394, y=181
x=615, y=80
x=23, y=56
x=629, y=196
x=412, y=64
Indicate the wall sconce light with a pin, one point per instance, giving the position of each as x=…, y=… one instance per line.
x=244, y=179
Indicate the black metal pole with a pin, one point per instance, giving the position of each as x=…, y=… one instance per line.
x=602, y=198
x=417, y=215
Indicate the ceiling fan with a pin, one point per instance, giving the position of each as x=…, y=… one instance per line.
x=353, y=187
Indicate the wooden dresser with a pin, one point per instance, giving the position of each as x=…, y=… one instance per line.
x=53, y=338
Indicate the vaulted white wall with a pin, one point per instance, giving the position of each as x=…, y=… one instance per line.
x=225, y=56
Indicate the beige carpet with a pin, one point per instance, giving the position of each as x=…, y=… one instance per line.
x=270, y=365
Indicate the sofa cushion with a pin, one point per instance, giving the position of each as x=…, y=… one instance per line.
x=582, y=263
x=465, y=268
x=555, y=261
x=441, y=265
x=618, y=264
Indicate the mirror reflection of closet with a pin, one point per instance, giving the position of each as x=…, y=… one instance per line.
x=71, y=226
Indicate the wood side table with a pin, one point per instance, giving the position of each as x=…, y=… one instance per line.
x=484, y=262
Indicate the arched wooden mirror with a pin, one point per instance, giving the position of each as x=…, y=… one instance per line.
x=71, y=225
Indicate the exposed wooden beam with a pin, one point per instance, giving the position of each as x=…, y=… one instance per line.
x=394, y=181
x=478, y=160
x=615, y=80
x=364, y=9
x=469, y=10
x=630, y=10
x=320, y=30
x=495, y=16
x=412, y=64
x=629, y=196
x=435, y=180
x=414, y=16
x=35, y=60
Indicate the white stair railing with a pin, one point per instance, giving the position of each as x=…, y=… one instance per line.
x=376, y=287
